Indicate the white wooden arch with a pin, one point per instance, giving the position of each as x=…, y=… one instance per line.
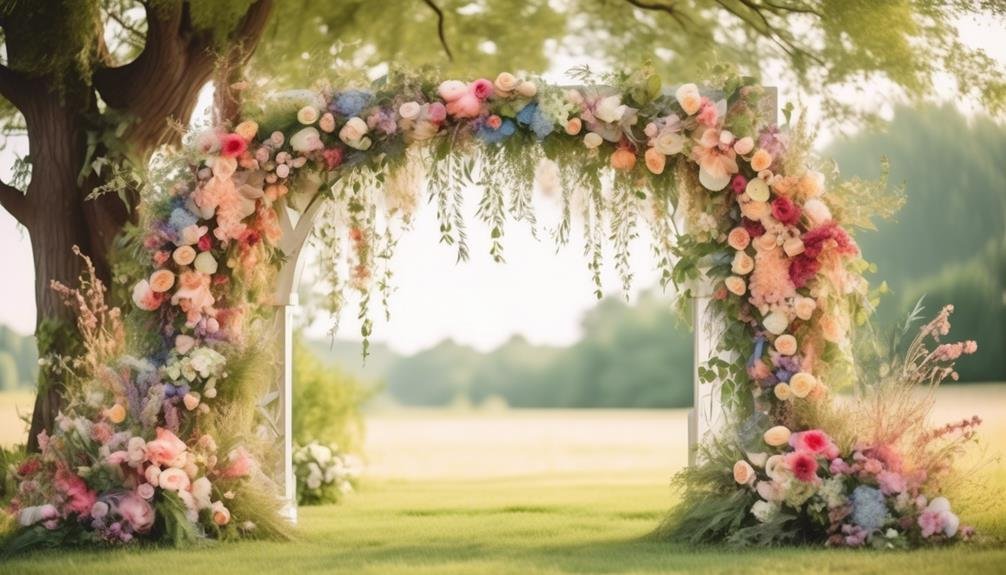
x=297, y=218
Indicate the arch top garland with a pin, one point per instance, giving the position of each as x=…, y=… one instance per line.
x=162, y=438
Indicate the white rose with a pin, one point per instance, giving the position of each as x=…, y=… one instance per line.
x=669, y=143
x=205, y=263
x=354, y=129
x=592, y=140
x=776, y=322
x=201, y=492
x=306, y=140
x=527, y=89
x=744, y=145
x=610, y=109
x=409, y=110
x=688, y=97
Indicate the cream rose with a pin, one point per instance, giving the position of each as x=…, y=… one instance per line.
x=765, y=242
x=758, y=190
x=793, y=247
x=775, y=467
x=782, y=391
x=183, y=255
x=802, y=384
x=307, y=115
x=184, y=343
x=776, y=322
x=736, y=285
x=785, y=344
x=247, y=129
x=354, y=129
x=592, y=140
x=744, y=474
x=669, y=143
x=753, y=210
x=817, y=211
x=505, y=82
x=527, y=89
x=173, y=479
x=832, y=329
x=776, y=437
x=306, y=140
x=205, y=263
x=742, y=264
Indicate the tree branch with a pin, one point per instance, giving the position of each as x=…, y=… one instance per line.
x=440, y=27
x=12, y=86
x=665, y=8
x=15, y=202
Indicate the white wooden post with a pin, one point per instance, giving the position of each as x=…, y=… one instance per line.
x=707, y=415
x=276, y=406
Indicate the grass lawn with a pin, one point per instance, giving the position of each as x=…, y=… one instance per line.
x=577, y=512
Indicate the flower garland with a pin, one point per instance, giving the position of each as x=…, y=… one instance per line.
x=137, y=452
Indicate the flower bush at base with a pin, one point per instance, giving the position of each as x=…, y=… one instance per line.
x=324, y=474
x=157, y=440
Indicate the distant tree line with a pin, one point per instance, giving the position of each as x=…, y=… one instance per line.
x=18, y=360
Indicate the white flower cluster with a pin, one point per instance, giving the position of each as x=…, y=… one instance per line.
x=323, y=474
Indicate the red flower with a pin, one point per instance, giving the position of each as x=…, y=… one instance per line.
x=205, y=243
x=802, y=465
x=29, y=467
x=333, y=157
x=753, y=227
x=815, y=240
x=784, y=210
x=814, y=441
x=232, y=145
x=802, y=268
x=739, y=184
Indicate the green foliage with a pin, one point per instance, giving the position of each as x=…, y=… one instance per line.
x=326, y=402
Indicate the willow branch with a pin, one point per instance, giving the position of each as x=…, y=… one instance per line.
x=665, y=8
x=440, y=27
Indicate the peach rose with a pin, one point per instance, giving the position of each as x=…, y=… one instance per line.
x=327, y=123
x=744, y=474
x=811, y=184
x=736, y=285
x=739, y=239
x=221, y=516
x=247, y=129
x=623, y=160
x=152, y=474
x=753, y=210
x=191, y=400
x=782, y=391
x=162, y=280
x=655, y=161
x=688, y=98
x=804, y=307
x=308, y=115
x=761, y=160
x=742, y=264
x=116, y=413
x=819, y=392
x=832, y=329
x=573, y=126
x=785, y=344
x=776, y=437
x=802, y=384
x=173, y=479
x=184, y=255
x=793, y=247
x=765, y=242
x=744, y=146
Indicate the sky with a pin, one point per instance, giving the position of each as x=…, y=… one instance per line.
x=539, y=293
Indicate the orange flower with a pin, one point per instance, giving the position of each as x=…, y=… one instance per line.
x=655, y=161
x=623, y=159
x=739, y=238
x=761, y=160
x=162, y=280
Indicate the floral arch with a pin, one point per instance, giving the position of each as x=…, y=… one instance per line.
x=174, y=411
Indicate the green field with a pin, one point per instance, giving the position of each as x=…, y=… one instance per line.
x=542, y=492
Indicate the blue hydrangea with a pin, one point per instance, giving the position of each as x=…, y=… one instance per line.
x=350, y=102
x=526, y=114
x=491, y=136
x=869, y=508
x=539, y=122
x=182, y=218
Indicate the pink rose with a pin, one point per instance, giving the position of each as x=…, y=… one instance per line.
x=482, y=89
x=814, y=441
x=136, y=511
x=145, y=298
x=80, y=499
x=145, y=490
x=802, y=465
x=467, y=106
x=167, y=449
x=173, y=479
x=240, y=464
x=436, y=112
x=891, y=483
